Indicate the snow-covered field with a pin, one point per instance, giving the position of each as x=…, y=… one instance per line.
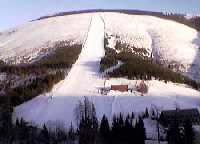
x=84, y=79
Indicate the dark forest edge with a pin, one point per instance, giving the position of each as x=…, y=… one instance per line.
x=40, y=76
x=180, y=18
x=122, y=129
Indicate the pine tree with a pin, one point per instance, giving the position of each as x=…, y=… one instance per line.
x=114, y=128
x=174, y=134
x=22, y=131
x=44, y=136
x=6, y=127
x=188, y=132
x=140, y=129
x=128, y=131
x=71, y=135
x=146, y=113
x=89, y=124
x=105, y=129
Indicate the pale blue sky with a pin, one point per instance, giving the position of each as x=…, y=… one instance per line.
x=16, y=12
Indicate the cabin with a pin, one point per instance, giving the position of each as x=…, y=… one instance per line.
x=181, y=115
x=142, y=87
x=121, y=88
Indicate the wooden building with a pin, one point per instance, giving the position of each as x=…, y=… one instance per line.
x=169, y=116
x=142, y=87
x=121, y=88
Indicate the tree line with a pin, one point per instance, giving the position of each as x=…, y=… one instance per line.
x=122, y=129
x=89, y=130
x=138, y=66
x=40, y=76
x=180, y=18
x=22, y=132
x=194, y=22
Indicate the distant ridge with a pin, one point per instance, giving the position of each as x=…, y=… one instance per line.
x=126, y=11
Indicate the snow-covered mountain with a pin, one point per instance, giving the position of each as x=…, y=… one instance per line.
x=167, y=41
x=29, y=39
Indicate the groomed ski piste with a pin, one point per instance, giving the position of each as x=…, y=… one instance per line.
x=84, y=79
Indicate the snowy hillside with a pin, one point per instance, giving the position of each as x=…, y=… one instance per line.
x=29, y=39
x=167, y=40
x=84, y=79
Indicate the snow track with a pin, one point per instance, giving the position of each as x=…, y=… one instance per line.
x=82, y=79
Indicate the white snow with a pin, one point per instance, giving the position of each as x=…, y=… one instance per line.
x=166, y=39
x=28, y=39
x=84, y=76
x=84, y=79
x=152, y=130
x=61, y=108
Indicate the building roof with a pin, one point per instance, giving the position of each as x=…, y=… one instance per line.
x=121, y=88
x=181, y=112
x=181, y=115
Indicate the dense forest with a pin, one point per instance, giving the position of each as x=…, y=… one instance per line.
x=40, y=76
x=137, y=66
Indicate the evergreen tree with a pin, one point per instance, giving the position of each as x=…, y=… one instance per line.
x=188, y=132
x=44, y=136
x=114, y=129
x=6, y=127
x=87, y=131
x=146, y=113
x=105, y=129
x=128, y=131
x=140, y=131
x=71, y=135
x=89, y=124
x=32, y=135
x=174, y=135
x=22, y=131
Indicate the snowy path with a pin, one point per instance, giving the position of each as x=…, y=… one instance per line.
x=83, y=79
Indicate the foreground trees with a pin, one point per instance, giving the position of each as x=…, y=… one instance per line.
x=122, y=129
x=178, y=134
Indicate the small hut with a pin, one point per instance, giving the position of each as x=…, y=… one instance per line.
x=121, y=88
x=142, y=87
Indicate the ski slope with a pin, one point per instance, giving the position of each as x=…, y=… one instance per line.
x=169, y=41
x=84, y=79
